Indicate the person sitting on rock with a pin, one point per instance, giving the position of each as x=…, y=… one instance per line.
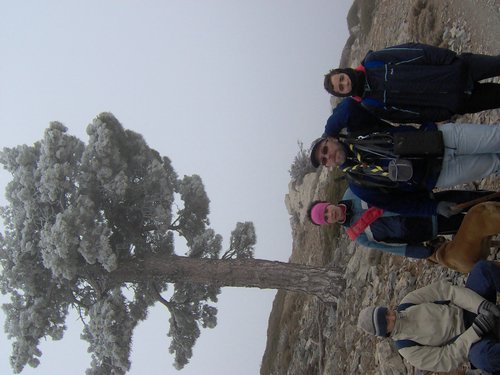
x=470, y=152
x=416, y=83
x=441, y=326
x=409, y=236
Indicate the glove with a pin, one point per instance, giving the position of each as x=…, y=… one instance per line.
x=487, y=307
x=446, y=209
x=496, y=330
x=483, y=323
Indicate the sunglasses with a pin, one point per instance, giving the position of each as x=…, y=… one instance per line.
x=324, y=153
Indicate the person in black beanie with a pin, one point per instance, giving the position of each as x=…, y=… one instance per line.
x=441, y=326
x=417, y=83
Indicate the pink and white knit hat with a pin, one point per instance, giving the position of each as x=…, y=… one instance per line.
x=318, y=213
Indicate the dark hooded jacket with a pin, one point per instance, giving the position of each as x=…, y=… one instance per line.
x=414, y=83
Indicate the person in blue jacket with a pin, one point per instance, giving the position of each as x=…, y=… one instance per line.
x=471, y=152
x=409, y=236
x=416, y=83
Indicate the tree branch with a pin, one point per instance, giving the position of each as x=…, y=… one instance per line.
x=167, y=304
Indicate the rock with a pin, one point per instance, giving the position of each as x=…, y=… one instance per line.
x=300, y=196
x=388, y=359
x=359, y=266
x=350, y=332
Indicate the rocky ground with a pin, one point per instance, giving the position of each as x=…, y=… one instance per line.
x=306, y=336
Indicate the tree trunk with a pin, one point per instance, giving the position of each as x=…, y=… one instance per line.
x=325, y=283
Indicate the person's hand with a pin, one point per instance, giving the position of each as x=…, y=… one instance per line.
x=487, y=307
x=446, y=209
x=483, y=323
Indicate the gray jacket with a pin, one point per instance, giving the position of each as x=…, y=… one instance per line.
x=441, y=341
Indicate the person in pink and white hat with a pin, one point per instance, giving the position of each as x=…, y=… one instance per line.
x=405, y=235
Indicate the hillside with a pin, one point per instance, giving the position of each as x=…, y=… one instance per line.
x=306, y=337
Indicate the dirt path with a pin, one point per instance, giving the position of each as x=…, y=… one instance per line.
x=482, y=20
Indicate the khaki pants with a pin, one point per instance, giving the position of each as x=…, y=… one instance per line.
x=472, y=241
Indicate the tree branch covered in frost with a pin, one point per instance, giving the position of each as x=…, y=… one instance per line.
x=76, y=213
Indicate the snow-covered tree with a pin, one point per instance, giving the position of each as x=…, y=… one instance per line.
x=91, y=227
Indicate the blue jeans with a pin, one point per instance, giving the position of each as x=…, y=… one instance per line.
x=472, y=152
x=484, y=279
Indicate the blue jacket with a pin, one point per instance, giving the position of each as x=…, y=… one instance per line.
x=391, y=232
x=415, y=83
x=350, y=115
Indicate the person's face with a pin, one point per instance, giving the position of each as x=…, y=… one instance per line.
x=330, y=153
x=390, y=317
x=334, y=214
x=341, y=83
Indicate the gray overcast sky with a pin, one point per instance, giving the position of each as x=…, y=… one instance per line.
x=224, y=88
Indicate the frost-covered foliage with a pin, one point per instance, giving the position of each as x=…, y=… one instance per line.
x=189, y=306
x=207, y=245
x=108, y=331
x=193, y=218
x=242, y=241
x=78, y=213
x=301, y=165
